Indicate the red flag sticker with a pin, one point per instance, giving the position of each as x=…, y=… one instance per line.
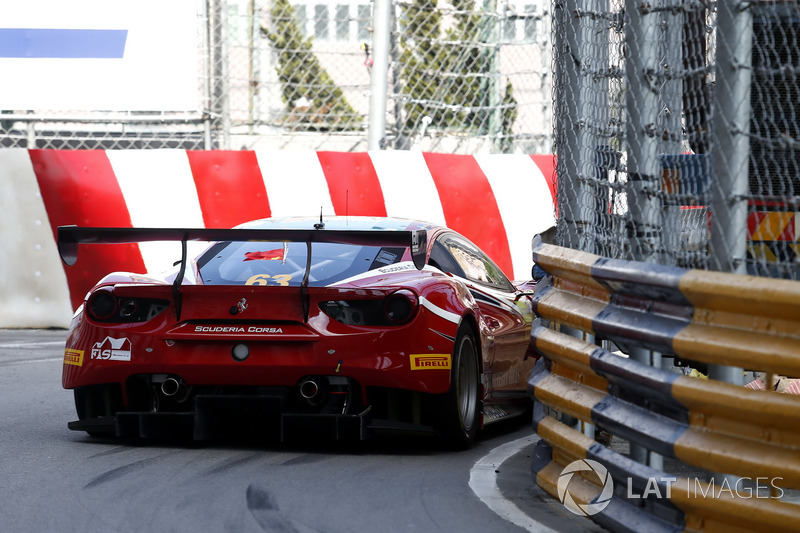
x=264, y=256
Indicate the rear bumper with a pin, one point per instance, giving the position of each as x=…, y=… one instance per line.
x=374, y=358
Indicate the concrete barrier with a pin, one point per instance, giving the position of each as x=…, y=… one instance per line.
x=497, y=201
x=33, y=285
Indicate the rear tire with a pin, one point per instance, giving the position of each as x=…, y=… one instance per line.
x=462, y=401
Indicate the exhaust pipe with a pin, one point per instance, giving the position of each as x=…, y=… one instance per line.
x=309, y=389
x=171, y=386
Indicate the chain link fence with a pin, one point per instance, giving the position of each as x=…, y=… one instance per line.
x=463, y=77
x=674, y=121
x=677, y=131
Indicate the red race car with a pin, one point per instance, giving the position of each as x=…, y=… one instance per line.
x=341, y=328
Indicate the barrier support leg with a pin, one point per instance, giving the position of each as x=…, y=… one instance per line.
x=584, y=427
x=640, y=453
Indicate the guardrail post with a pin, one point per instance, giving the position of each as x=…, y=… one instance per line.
x=639, y=453
x=584, y=427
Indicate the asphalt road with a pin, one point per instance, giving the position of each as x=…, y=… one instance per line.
x=53, y=479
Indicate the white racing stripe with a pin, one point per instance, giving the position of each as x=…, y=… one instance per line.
x=483, y=482
x=438, y=311
x=524, y=200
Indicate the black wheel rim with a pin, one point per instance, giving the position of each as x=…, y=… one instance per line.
x=467, y=384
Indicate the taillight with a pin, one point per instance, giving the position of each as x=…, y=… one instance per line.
x=400, y=306
x=395, y=309
x=104, y=306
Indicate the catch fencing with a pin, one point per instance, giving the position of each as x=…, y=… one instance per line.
x=677, y=132
x=588, y=308
x=456, y=76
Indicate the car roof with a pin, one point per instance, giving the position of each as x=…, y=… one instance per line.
x=342, y=223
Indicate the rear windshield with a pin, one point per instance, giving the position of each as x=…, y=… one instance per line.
x=276, y=263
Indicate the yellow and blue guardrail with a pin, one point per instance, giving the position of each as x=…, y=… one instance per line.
x=749, y=438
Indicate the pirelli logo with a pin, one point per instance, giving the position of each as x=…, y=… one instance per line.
x=73, y=357
x=430, y=361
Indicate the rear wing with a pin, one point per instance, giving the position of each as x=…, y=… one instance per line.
x=70, y=237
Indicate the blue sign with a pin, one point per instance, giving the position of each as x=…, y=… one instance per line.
x=62, y=43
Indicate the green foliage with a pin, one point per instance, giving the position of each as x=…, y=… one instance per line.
x=420, y=62
x=312, y=97
x=449, y=74
x=509, y=116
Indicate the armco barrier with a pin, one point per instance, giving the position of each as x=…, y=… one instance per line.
x=497, y=201
x=706, y=317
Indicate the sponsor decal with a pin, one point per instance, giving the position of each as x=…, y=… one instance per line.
x=111, y=349
x=432, y=361
x=401, y=267
x=237, y=329
x=73, y=357
x=269, y=255
x=281, y=280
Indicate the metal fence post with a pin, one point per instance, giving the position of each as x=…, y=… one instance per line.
x=492, y=98
x=379, y=73
x=642, y=105
x=730, y=152
x=218, y=115
x=730, y=148
x=644, y=167
x=574, y=166
x=669, y=126
x=224, y=76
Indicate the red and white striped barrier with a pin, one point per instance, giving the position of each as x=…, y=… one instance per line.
x=497, y=201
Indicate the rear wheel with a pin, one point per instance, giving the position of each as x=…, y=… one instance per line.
x=462, y=401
